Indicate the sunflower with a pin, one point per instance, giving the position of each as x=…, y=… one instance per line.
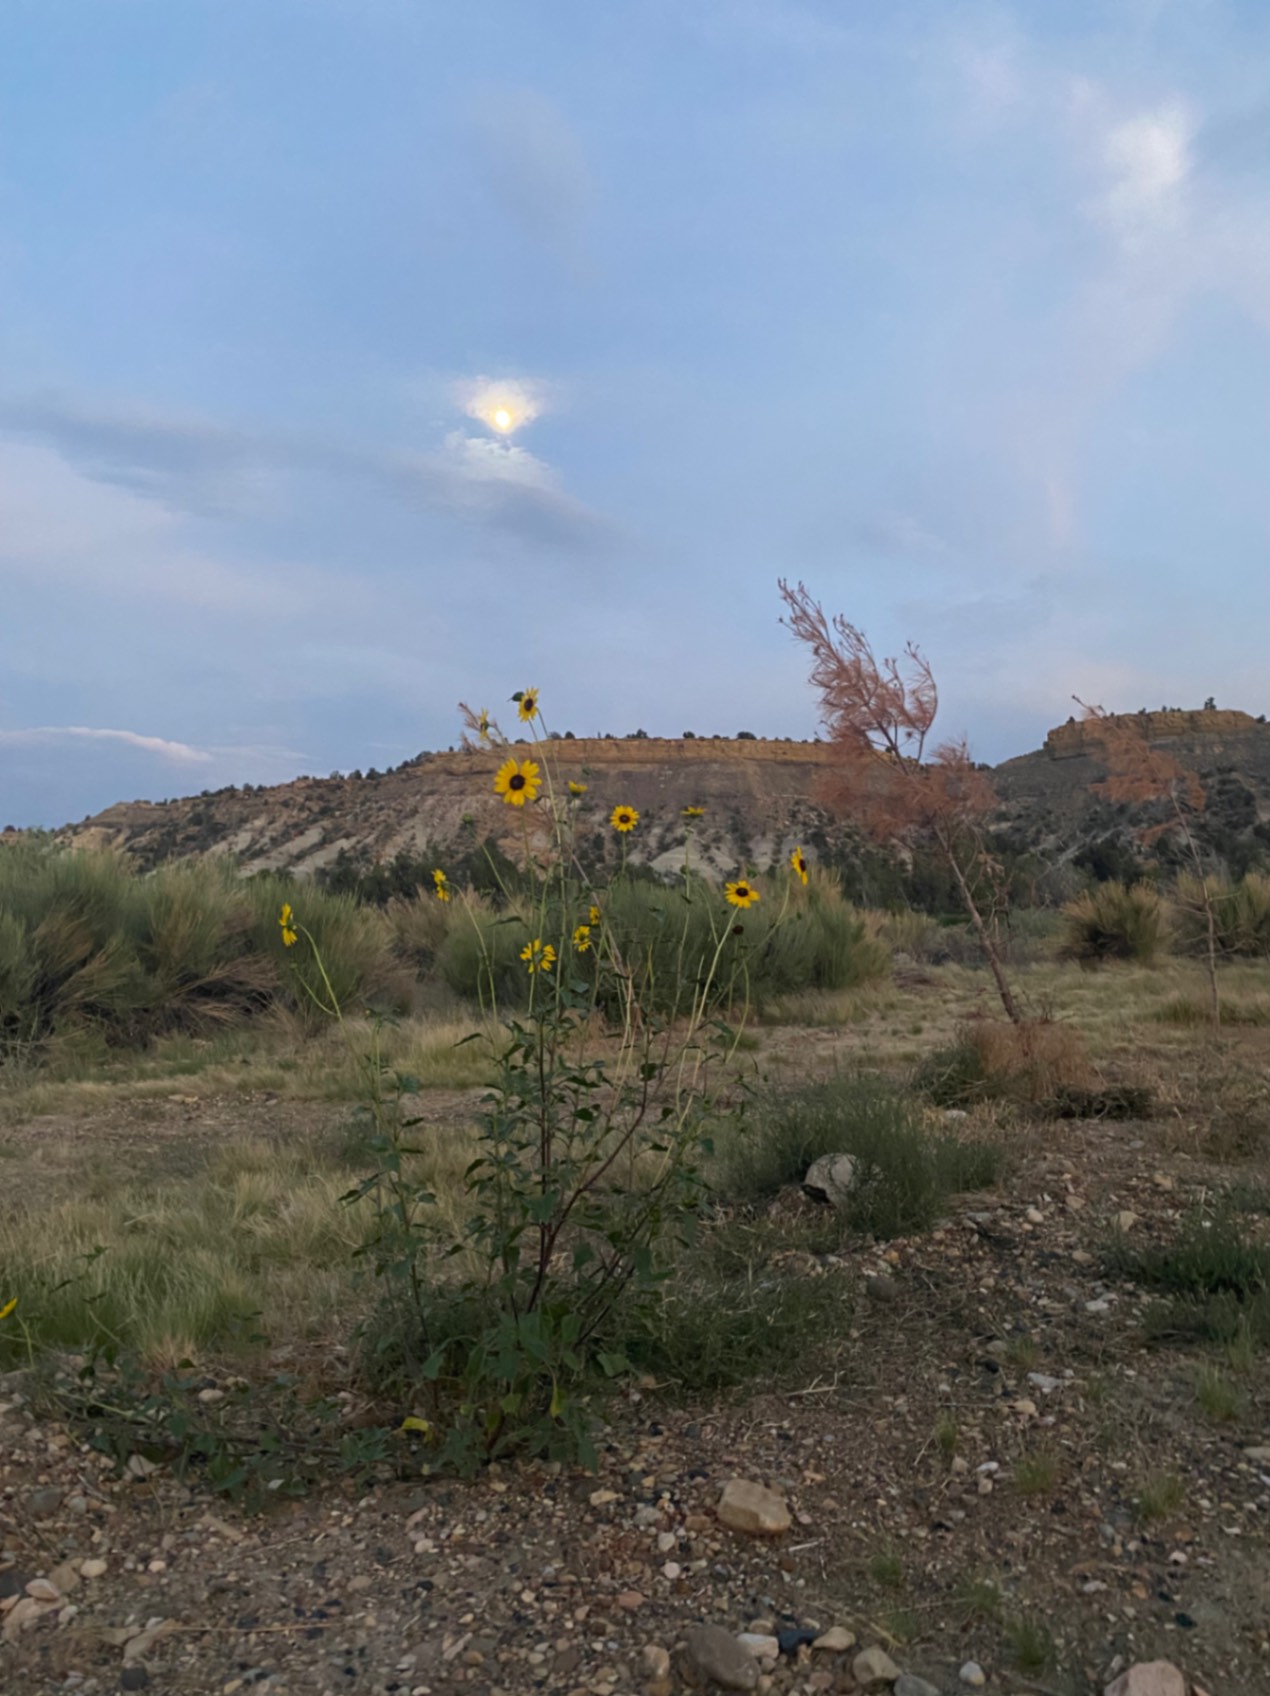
x=624, y=819
x=8, y=1307
x=286, y=919
x=517, y=782
x=593, y=917
x=577, y=788
x=537, y=957
x=582, y=938
x=482, y=724
x=528, y=708
x=441, y=885
x=741, y=894
x=799, y=863
x=694, y=812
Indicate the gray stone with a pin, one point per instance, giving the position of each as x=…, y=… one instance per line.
x=874, y=1666
x=1148, y=1678
x=908, y=1684
x=972, y=1674
x=714, y=1653
x=831, y=1179
x=44, y=1501
x=134, y=1678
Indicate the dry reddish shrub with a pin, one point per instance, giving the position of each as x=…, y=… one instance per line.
x=1030, y=1062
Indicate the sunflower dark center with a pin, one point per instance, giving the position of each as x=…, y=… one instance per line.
x=516, y=782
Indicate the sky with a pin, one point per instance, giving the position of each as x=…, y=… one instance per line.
x=359, y=357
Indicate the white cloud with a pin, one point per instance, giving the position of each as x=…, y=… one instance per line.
x=180, y=753
x=1148, y=160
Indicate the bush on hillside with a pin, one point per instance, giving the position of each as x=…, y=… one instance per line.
x=1030, y=1064
x=1241, y=916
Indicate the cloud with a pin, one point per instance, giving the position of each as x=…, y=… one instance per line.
x=1147, y=159
x=179, y=753
x=165, y=465
x=504, y=404
x=535, y=168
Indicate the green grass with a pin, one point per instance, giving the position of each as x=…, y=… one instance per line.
x=1031, y=1644
x=906, y=1170
x=1037, y=1474
x=887, y=1570
x=1221, y=1400
x=1160, y=1495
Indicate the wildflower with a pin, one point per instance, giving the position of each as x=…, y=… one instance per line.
x=577, y=788
x=799, y=864
x=624, y=819
x=286, y=919
x=8, y=1307
x=441, y=885
x=582, y=938
x=694, y=812
x=593, y=916
x=528, y=709
x=741, y=894
x=517, y=782
x=482, y=724
x=537, y=957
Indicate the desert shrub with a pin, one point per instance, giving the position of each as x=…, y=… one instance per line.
x=1115, y=922
x=905, y=1170
x=1214, y=1275
x=1241, y=916
x=89, y=944
x=991, y=1060
x=418, y=925
x=1192, y=1011
x=673, y=939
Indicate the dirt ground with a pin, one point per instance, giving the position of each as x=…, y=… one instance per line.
x=965, y=1481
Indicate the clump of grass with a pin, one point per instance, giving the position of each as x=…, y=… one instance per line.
x=1022, y=1352
x=1036, y=1474
x=979, y=1599
x=1220, y=1399
x=1161, y=1495
x=1031, y=1644
x=1193, y=1011
x=887, y=1570
x=993, y=1060
x=728, y=1316
x=1115, y=922
x=905, y=1171
x=1216, y=1280
x=947, y=1435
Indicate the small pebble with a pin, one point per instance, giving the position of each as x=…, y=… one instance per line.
x=972, y=1674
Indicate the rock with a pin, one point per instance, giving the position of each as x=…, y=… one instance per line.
x=761, y=1644
x=139, y=1467
x=25, y=1611
x=715, y=1653
x=753, y=1509
x=12, y=1582
x=1148, y=1678
x=134, y=1678
x=1259, y=1454
x=65, y=1577
x=874, y=1666
x=44, y=1590
x=1044, y=1382
x=44, y=1501
x=1126, y=1220
x=908, y=1684
x=655, y=1660
x=796, y=1637
x=973, y=1675
x=837, y=1638
x=92, y=1568
x=882, y=1288
x=831, y=1179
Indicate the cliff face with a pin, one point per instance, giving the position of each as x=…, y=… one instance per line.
x=759, y=799
x=757, y=796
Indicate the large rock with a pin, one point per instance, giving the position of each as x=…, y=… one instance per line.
x=714, y=1653
x=753, y=1509
x=874, y=1666
x=831, y=1179
x=1148, y=1678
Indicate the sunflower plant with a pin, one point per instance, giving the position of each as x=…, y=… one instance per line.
x=587, y=1170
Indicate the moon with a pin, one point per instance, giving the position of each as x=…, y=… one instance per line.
x=502, y=419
